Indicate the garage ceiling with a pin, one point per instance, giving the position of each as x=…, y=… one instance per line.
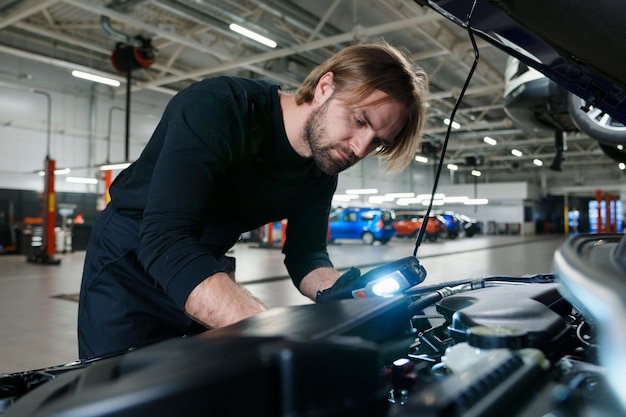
x=193, y=41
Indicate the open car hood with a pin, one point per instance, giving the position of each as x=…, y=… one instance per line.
x=578, y=44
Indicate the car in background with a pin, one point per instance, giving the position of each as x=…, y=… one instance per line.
x=459, y=225
x=452, y=224
x=409, y=222
x=469, y=226
x=368, y=224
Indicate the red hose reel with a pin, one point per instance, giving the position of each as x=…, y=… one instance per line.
x=126, y=57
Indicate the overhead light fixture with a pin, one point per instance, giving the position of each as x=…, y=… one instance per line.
x=408, y=201
x=344, y=197
x=538, y=162
x=362, y=191
x=252, y=35
x=456, y=199
x=422, y=159
x=400, y=195
x=379, y=199
x=476, y=201
x=437, y=196
x=435, y=202
x=113, y=167
x=621, y=166
x=60, y=171
x=95, y=78
x=476, y=173
x=81, y=180
x=455, y=125
x=453, y=167
x=516, y=152
x=489, y=140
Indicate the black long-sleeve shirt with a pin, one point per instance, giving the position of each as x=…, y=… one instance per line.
x=219, y=163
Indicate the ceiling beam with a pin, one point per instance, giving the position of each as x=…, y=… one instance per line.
x=29, y=9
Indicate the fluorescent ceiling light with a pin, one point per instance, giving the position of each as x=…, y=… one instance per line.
x=455, y=199
x=407, y=201
x=435, y=202
x=437, y=196
x=453, y=167
x=112, y=167
x=344, y=197
x=489, y=140
x=455, y=125
x=476, y=201
x=516, y=152
x=95, y=78
x=252, y=35
x=60, y=171
x=538, y=162
x=421, y=159
x=81, y=180
x=378, y=199
x=362, y=191
x=476, y=173
x=400, y=195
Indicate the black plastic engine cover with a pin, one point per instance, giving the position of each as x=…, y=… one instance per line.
x=226, y=377
x=535, y=309
x=312, y=360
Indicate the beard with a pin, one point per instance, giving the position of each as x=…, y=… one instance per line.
x=314, y=133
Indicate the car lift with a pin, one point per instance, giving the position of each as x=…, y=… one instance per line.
x=45, y=255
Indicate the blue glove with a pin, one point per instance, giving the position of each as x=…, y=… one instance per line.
x=342, y=288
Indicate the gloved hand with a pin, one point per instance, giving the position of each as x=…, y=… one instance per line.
x=342, y=288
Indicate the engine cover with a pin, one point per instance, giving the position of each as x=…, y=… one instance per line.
x=534, y=313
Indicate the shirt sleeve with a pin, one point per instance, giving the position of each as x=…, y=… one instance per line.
x=305, y=243
x=197, y=144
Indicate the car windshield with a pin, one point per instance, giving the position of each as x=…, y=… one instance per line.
x=368, y=215
x=388, y=215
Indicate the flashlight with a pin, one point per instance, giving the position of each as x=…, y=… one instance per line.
x=390, y=279
x=384, y=281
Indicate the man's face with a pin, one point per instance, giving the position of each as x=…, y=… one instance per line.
x=339, y=135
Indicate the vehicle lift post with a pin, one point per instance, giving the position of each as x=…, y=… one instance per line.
x=46, y=254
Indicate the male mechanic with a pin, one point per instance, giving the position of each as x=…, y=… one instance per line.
x=230, y=155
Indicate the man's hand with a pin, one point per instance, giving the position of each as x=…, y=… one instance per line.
x=342, y=288
x=218, y=301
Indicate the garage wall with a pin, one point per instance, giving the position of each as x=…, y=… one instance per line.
x=47, y=111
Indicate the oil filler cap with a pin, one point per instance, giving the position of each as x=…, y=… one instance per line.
x=495, y=337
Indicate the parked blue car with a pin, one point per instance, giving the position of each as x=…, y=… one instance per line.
x=368, y=224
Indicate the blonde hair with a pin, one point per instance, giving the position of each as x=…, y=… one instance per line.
x=360, y=69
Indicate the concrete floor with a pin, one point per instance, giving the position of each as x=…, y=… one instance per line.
x=38, y=329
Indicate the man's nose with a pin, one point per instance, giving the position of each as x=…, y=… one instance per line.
x=361, y=144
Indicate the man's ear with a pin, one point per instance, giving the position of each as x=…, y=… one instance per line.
x=325, y=88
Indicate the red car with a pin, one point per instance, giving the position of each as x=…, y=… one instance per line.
x=408, y=224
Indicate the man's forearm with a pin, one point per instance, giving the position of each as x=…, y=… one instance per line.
x=318, y=280
x=218, y=301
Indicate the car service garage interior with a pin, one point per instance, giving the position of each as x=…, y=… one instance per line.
x=487, y=278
